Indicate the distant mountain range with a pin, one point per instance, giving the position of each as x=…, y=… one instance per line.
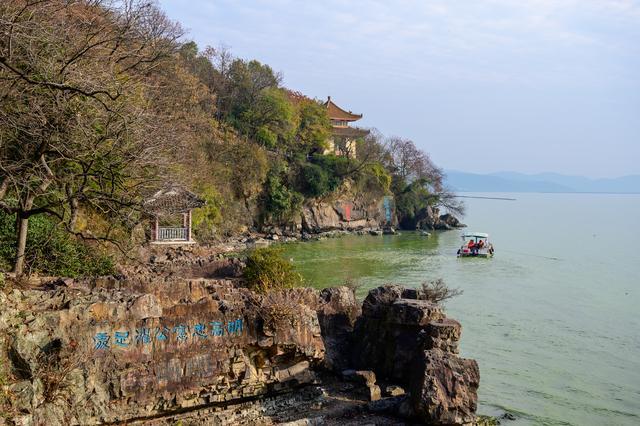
x=541, y=182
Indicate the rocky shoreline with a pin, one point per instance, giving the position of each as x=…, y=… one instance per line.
x=352, y=214
x=282, y=234
x=195, y=345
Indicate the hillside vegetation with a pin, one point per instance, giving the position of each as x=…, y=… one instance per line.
x=104, y=101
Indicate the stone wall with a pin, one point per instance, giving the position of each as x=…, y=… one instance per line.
x=142, y=349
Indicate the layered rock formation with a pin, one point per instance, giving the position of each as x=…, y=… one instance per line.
x=140, y=349
x=209, y=351
x=430, y=218
x=411, y=343
x=350, y=214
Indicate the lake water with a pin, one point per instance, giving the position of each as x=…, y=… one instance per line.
x=553, y=319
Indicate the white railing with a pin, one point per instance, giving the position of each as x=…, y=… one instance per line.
x=173, y=234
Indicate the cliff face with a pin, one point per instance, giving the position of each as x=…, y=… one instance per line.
x=353, y=211
x=211, y=352
x=349, y=212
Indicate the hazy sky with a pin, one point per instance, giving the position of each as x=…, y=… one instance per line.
x=482, y=85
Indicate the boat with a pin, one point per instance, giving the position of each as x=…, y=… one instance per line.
x=475, y=244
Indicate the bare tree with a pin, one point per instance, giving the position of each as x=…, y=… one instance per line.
x=446, y=198
x=411, y=163
x=373, y=147
x=75, y=130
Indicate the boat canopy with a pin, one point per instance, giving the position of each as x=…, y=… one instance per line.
x=475, y=235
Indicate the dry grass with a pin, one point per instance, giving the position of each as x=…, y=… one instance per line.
x=436, y=291
x=352, y=284
x=278, y=307
x=53, y=369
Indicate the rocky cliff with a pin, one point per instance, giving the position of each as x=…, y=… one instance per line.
x=430, y=218
x=365, y=214
x=350, y=214
x=347, y=209
x=209, y=351
x=410, y=342
x=351, y=211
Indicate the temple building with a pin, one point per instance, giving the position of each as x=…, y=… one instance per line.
x=343, y=137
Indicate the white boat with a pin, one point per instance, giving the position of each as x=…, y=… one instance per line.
x=475, y=244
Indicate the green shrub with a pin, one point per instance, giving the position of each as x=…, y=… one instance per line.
x=487, y=421
x=336, y=166
x=375, y=176
x=266, y=138
x=278, y=201
x=51, y=250
x=267, y=270
x=323, y=174
x=207, y=218
x=411, y=200
x=314, y=180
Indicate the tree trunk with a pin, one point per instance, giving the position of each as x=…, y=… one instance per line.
x=22, y=225
x=22, y=218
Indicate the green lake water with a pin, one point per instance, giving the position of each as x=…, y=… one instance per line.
x=553, y=319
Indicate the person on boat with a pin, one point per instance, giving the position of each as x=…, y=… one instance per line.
x=480, y=244
x=473, y=247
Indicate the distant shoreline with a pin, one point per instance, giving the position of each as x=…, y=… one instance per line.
x=544, y=192
x=543, y=183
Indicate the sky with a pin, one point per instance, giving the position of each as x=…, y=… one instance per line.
x=481, y=85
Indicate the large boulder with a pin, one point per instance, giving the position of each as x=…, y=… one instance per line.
x=390, y=330
x=451, y=221
x=337, y=313
x=430, y=218
x=410, y=342
x=444, y=388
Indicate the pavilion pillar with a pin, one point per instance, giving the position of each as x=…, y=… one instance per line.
x=156, y=229
x=189, y=225
x=185, y=224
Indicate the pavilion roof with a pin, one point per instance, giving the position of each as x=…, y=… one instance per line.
x=337, y=113
x=171, y=199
